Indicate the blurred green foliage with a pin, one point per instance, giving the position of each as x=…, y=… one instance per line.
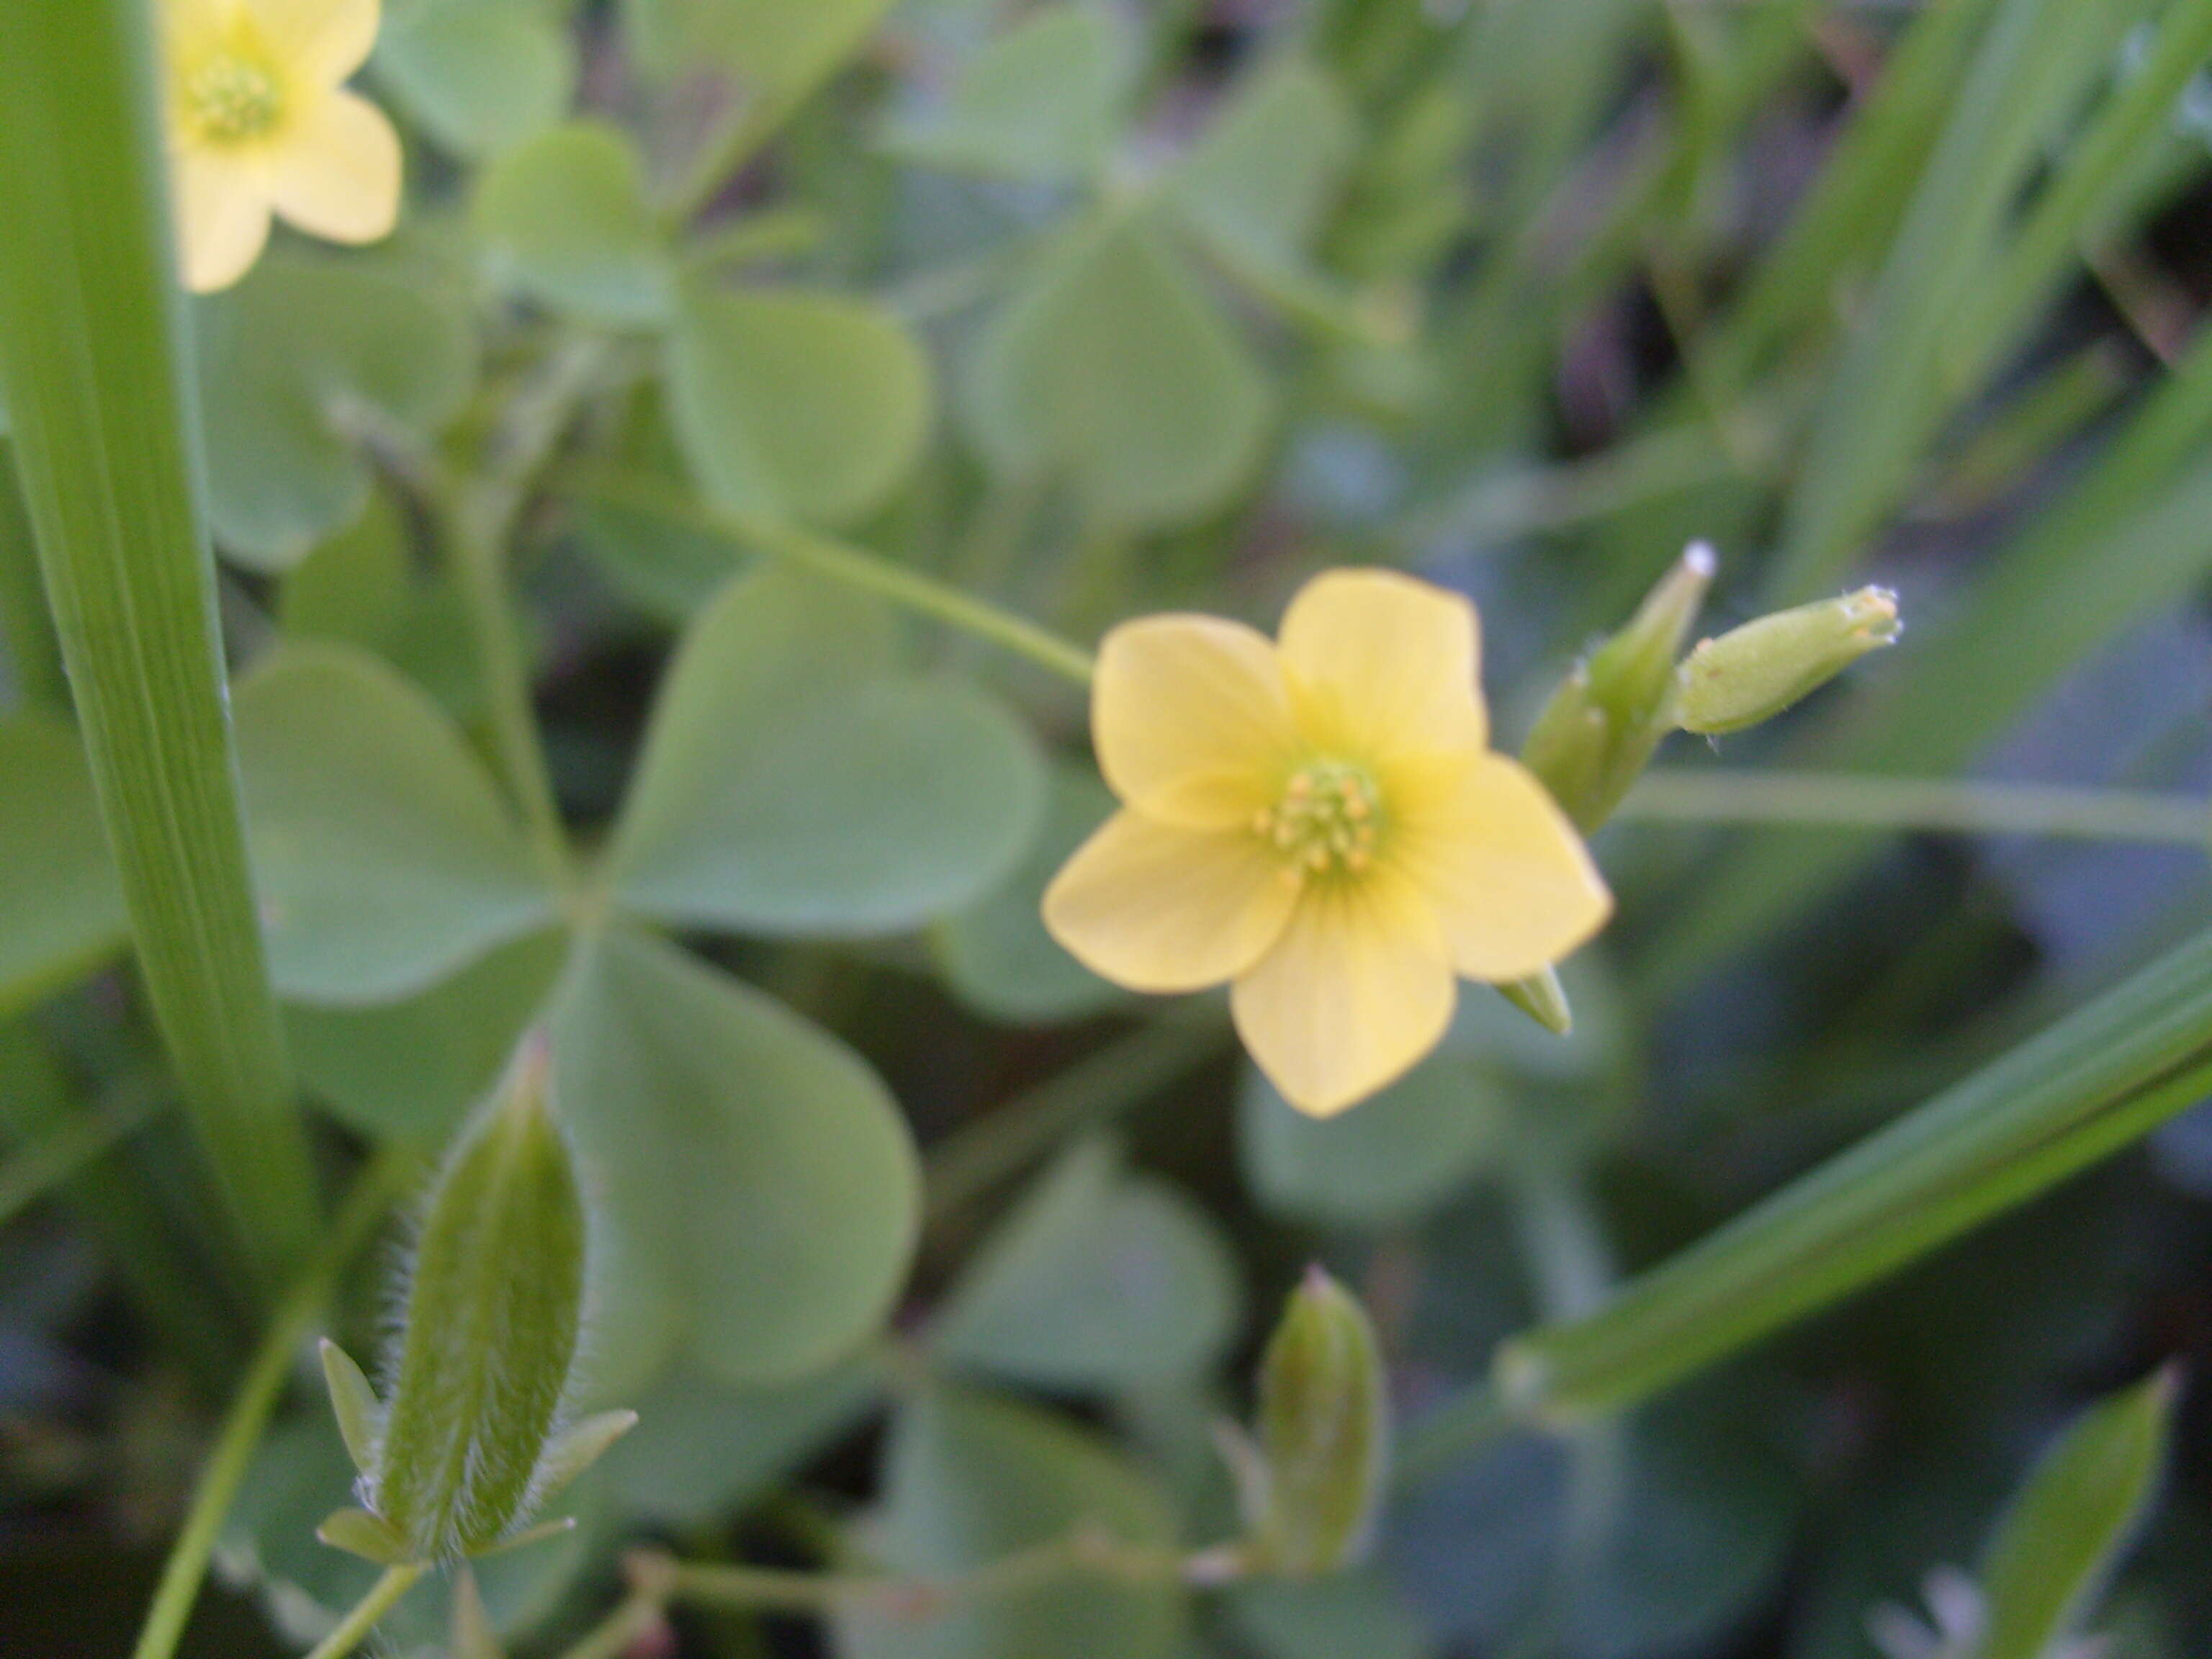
x=1081, y=310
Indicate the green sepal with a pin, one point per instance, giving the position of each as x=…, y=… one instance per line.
x=1751, y=673
x=354, y=1403
x=578, y=1448
x=1544, y=1000
x=369, y=1536
x=537, y=1534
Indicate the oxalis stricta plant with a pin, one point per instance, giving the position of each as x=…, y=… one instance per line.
x=976, y=702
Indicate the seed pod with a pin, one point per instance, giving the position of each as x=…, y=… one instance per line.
x=1753, y=672
x=1596, y=734
x=1314, y=1481
x=490, y=1338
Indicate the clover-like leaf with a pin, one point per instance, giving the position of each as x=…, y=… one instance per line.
x=477, y=75
x=1112, y=367
x=759, y=1192
x=1041, y=101
x=806, y=407
x=793, y=784
x=293, y=361
x=383, y=856
x=564, y=221
x=1098, y=1279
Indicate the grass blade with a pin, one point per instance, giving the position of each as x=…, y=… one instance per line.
x=90, y=337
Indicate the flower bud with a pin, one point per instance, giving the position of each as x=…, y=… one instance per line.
x=1595, y=736
x=1753, y=672
x=471, y=1441
x=1313, y=1483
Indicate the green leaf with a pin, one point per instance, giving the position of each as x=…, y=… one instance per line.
x=704, y=1448
x=57, y=887
x=409, y=1069
x=357, y=1532
x=294, y=361
x=1408, y=1150
x=995, y=954
x=1326, y=1619
x=970, y=1479
x=383, y=857
x=1097, y=1279
x=791, y=785
x=564, y=221
x=2059, y=1539
x=361, y=588
x=1255, y=187
x=760, y=1193
x=796, y=406
x=1112, y=367
x=1041, y=101
x=778, y=53
x=477, y=75
x=354, y=1406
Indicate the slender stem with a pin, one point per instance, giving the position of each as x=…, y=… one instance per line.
x=1938, y=805
x=65, y=1149
x=612, y=1636
x=474, y=538
x=855, y=567
x=981, y=1155
x=181, y=1575
x=91, y=348
x=355, y=1628
x=478, y=517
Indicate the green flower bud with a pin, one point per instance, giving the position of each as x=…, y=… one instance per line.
x=472, y=1441
x=1313, y=1484
x=1753, y=672
x=1595, y=736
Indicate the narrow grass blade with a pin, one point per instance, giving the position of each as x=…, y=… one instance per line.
x=90, y=351
x=2099, y=1079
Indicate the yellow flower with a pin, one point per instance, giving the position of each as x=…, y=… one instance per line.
x=259, y=123
x=1322, y=822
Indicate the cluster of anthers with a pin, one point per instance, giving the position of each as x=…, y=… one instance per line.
x=231, y=99
x=1327, y=820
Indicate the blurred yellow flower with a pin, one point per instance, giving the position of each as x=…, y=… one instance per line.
x=259, y=123
x=1322, y=822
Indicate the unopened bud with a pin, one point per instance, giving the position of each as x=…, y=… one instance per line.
x=1596, y=734
x=472, y=1442
x=1753, y=672
x=1315, y=1484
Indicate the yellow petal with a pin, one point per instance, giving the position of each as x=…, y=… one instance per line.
x=1357, y=990
x=1191, y=720
x=1382, y=663
x=223, y=218
x=335, y=173
x=1513, y=887
x=1159, y=908
x=320, y=42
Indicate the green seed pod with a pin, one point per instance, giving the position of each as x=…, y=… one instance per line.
x=1753, y=672
x=489, y=1339
x=1313, y=1483
x=1595, y=736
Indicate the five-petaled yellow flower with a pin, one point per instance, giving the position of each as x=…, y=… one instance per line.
x=259, y=123
x=1322, y=822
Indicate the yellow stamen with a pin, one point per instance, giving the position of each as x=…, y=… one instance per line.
x=1326, y=819
x=232, y=98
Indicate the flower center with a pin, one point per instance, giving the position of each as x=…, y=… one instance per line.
x=1326, y=821
x=231, y=98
